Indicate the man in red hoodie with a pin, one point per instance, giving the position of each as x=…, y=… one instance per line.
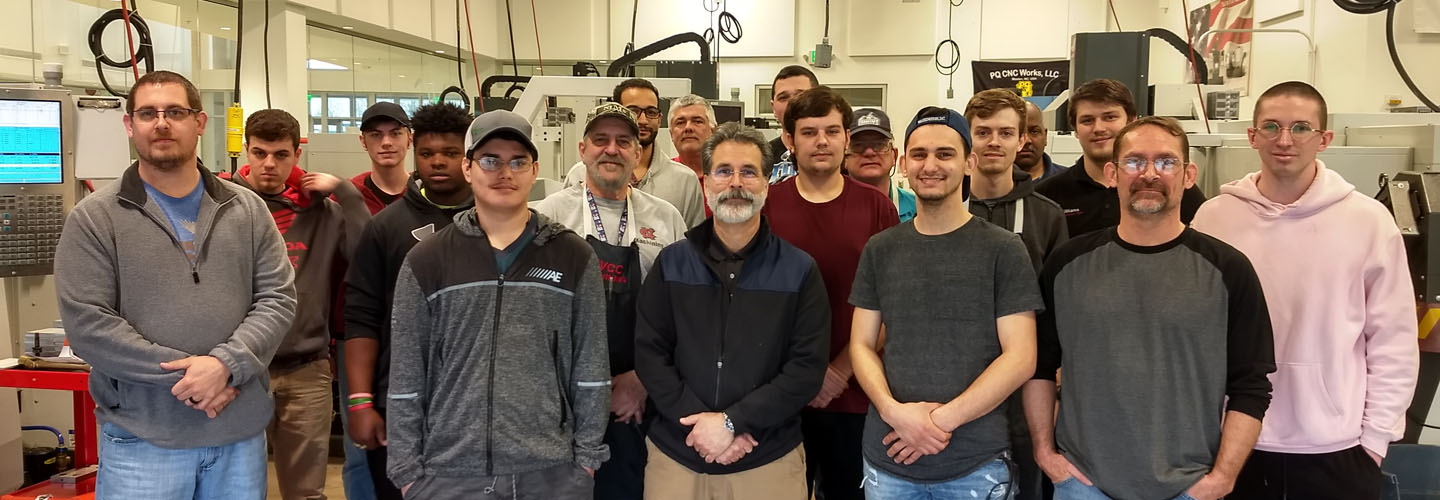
x=385, y=135
x=1336, y=281
x=318, y=232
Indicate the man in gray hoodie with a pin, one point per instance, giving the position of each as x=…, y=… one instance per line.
x=175, y=287
x=499, y=376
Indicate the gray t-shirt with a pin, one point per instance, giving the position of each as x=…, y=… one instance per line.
x=939, y=297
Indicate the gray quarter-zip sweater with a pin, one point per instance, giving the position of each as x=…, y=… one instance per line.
x=131, y=299
x=495, y=372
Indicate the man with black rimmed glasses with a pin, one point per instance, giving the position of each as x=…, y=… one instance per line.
x=653, y=173
x=175, y=287
x=499, y=381
x=1334, y=269
x=627, y=228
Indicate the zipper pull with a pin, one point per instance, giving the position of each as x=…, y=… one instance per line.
x=196, y=276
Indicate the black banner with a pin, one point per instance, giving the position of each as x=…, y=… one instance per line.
x=1042, y=78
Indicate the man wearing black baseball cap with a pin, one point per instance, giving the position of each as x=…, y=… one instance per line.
x=935, y=425
x=385, y=136
x=871, y=159
x=499, y=374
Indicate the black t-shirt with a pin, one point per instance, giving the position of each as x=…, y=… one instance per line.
x=1090, y=205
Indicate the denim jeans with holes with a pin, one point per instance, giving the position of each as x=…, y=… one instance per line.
x=990, y=481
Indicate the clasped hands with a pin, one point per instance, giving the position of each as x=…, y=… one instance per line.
x=714, y=442
x=205, y=385
x=919, y=429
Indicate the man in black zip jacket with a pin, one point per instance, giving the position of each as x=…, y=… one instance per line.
x=500, y=375
x=434, y=194
x=756, y=328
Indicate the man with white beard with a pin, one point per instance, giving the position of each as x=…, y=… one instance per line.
x=729, y=423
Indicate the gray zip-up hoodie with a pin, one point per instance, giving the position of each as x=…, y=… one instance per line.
x=497, y=372
x=131, y=299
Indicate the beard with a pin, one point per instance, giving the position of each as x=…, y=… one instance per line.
x=645, y=141
x=1149, y=205
x=607, y=184
x=734, y=213
x=163, y=160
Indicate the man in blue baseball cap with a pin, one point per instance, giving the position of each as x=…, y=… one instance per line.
x=937, y=425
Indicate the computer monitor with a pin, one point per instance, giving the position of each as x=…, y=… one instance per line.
x=30, y=150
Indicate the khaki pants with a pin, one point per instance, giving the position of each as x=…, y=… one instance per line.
x=300, y=431
x=783, y=479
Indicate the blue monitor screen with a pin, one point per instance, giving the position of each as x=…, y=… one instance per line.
x=30, y=142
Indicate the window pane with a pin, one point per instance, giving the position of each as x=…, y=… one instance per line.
x=409, y=105
x=361, y=104
x=339, y=106
x=316, y=107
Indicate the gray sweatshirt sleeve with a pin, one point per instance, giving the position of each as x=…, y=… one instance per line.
x=248, y=351
x=694, y=209
x=590, y=370
x=409, y=388
x=355, y=215
x=85, y=289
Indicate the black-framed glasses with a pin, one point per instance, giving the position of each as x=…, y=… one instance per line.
x=1163, y=165
x=859, y=148
x=1299, y=131
x=650, y=112
x=147, y=115
x=492, y=164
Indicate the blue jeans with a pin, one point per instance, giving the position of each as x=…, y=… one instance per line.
x=132, y=468
x=356, y=473
x=1073, y=489
x=990, y=481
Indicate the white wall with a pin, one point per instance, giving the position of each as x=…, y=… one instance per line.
x=1353, y=66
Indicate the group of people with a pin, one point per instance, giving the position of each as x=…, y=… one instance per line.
x=750, y=319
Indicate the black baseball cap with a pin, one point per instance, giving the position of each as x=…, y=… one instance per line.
x=384, y=111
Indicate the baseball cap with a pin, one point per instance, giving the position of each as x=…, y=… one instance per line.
x=870, y=119
x=385, y=111
x=612, y=110
x=498, y=122
x=932, y=115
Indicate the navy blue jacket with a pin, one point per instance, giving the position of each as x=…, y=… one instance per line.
x=756, y=351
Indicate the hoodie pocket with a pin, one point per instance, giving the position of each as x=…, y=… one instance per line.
x=1303, y=410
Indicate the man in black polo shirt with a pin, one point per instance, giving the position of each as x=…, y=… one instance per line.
x=1098, y=110
x=789, y=82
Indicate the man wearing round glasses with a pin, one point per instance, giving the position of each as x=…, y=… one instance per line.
x=1164, y=337
x=653, y=172
x=627, y=228
x=1334, y=269
x=871, y=159
x=498, y=367
x=732, y=341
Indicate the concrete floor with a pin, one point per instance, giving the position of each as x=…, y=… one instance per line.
x=334, y=489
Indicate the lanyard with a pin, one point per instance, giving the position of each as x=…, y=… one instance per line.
x=600, y=226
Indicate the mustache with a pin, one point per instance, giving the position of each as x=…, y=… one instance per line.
x=735, y=193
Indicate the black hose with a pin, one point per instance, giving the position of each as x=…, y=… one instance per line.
x=1388, y=7
x=1400, y=67
x=491, y=80
x=459, y=57
x=619, y=65
x=265, y=48
x=730, y=29
x=464, y=98
x=1201, y=72
x=145, y=52
x=510, y=27
x=827, y=18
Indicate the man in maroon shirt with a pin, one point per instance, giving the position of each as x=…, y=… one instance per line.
x=829, y=216
x=385, y=135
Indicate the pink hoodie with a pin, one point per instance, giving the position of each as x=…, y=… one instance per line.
x=1336, y=281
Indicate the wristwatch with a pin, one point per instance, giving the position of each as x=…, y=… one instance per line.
x=729, y=426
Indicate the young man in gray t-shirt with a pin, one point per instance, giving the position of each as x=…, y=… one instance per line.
x=952, y=353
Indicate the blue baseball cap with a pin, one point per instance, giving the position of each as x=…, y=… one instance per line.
x=935, y=115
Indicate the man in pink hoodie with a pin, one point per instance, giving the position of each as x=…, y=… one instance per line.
x=1334, y=271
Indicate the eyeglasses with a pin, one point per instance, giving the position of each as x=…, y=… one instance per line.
x=1165, y=165
x=492, y=164
x=147, y=115
x=1299, y=131
x=724, y=174
x=858, y=148
x=650, y=112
